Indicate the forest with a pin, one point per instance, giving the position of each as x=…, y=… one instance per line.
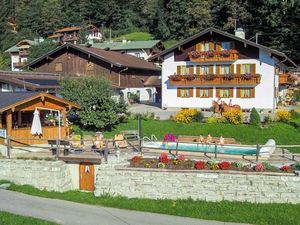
x=276, y=21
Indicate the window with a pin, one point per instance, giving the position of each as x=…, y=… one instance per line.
x=137, y=54
x=246, y=68
x=245, y=92
x=225, y=92
x=225, y=69
x=226, y=45
x=206, y=46
x=184, y=92
x=184, y=70
x=204, y=92
x=202, y=70
x=58, y=67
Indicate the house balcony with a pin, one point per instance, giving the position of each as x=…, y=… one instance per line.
x=23, y=53
x=214, y=56
x=287, y=78
x=19, y=64
x=215, y=80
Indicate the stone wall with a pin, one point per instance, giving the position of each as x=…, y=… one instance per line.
x=49, y=175
x=210, y=185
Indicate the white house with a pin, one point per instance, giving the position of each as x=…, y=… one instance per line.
x=214, y=64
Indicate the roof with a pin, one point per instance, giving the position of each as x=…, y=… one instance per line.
x=153, y=81
x=214, y=30
x=115, y=58
x=32, y=81
x=55, y=36
x=15, y=48
x=67, y=29
x=127, y=45
x=10, y=100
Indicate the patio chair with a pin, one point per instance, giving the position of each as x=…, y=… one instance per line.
x=120, y=142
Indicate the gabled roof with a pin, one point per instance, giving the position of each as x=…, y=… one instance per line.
x=115, y=58
x=129, y=45
x=9, y=100
x=67, y=29
x=214, y=30
x=15, y=48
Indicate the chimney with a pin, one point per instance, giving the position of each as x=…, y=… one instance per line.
x=240, y=33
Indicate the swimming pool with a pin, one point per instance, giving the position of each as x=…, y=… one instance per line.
x=194, y=147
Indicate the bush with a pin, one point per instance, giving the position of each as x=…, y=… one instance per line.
x=144, y=116
x=199, y=116
x=234, y=116
x=295, y=113
x=185, y=116
x=283, y=116
x=254, y=117
x=214, y=119
x=267, y=119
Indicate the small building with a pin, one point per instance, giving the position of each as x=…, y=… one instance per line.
x=215, y=64
x=140, y=49
x=126, y=73
x=17, y=108
x=70, y=34
x=19, y=53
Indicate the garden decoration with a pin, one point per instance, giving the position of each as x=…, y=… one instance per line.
x=168, y=138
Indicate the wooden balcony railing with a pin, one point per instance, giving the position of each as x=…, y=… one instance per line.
x=213, y=56
x=287, y=78
x=19, y=64
x=212, y=79
x=23, y=53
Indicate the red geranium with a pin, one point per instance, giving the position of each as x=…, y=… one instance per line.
x=200, y=165
x=224, y=165
x=164, y=158
x=136, y=159
x=285, y=168
x=181, y=157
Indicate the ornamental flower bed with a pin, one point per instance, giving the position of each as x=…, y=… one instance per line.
x=182, y=163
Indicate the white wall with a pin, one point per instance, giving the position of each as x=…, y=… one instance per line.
x=142, y=54
x=146, y=94
x=15, y=58
x=263, y=92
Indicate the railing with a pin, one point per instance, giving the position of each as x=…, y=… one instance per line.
x=198, y=80
x=212, y=55
x=284, y=78
x=19, y=64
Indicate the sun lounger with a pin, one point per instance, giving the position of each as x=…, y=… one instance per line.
x=182, y=138
x=120, y=141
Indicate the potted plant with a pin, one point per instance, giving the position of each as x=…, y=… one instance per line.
x=190, y=77
x=228, y=76
x=247, y=76
x=225, y=53
x=194, y=54
x=175, y=77
x=210, y=53
x=209, y=77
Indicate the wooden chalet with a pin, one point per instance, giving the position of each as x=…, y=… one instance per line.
x=17, y=108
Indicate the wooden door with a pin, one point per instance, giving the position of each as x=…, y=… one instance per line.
x=86, y=177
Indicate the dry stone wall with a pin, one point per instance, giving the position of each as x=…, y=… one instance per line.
x=49, y=175
x=210, y=186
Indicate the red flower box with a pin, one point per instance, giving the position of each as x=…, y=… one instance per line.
x=200, y=165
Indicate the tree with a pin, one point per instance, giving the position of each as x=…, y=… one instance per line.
x=98, y=109
x=41, y=49
x=254, y=117
x=83, y=34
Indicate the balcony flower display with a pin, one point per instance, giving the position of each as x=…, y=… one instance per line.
x=228, y=76
x=247, y=76
x=293, y=77
x=225, y=53
x=190, y=77
x=210, y=53
x=195, y=54
x=175, y=77
x=209, y=77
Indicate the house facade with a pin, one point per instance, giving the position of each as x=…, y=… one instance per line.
x=214, y=64
x=140, y=49
x=127, y=74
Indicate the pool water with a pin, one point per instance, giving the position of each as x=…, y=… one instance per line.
x=234, y=150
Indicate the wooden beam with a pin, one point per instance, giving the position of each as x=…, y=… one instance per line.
x=8, y=122
x=43, y=98
x=1, y=121
x=19, y=118
x=13, y=109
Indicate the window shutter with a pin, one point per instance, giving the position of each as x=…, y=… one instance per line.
x=211, y=69
x=218, y=69
x=210, y=92
x=252, y=93
x=191, y=94
x=253, y=68
x=178, y=92
x=238, y=68
x=179, y=70
x=198, y=70
x=238, y=92
x=191, y=69
x=230, y=92
x=197, y=92
x=219, y=46
x=211, y=46
x=231, y=69
x=217, y=92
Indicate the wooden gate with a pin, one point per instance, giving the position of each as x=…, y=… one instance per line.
x=86, y=177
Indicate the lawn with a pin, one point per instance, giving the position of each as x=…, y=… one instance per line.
x=135, y=36
x=170, y=43
x=12, y=219
x=242, y=212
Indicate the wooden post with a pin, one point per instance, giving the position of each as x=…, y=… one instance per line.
x=57, y=147
x=8, y=147
x=257, y=152
x=8, y=122
x=176, y=148
x=1, y=121
x=64, y=121
x=106, y=152
x=19, y=118
x=215, y=150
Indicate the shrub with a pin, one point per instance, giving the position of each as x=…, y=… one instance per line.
x=214, y=119
x=254, y=117
x=224, y=165
x=161, y=165
x=283, y=116
x=267, y=119
x=200, y=165
x=258, y=167
x=136, y=159
x=199, y=116
x=238, y=165
x=181, y=157
x=234, y=116
x=185, y=116
x=285, y=168
x=164, y=158
x=295, y=113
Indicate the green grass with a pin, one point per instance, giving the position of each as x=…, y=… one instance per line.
x=135, y=36
x=170, y=43
x=242, y=212
x=12, y=219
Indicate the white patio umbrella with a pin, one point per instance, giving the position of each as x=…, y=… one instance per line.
x=36, y=127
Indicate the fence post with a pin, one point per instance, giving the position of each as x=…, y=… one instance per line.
x=57, y=147
x=176, y=148
x=257, y=152
x=8, y=146
x=106, y=152
x=215, y=150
